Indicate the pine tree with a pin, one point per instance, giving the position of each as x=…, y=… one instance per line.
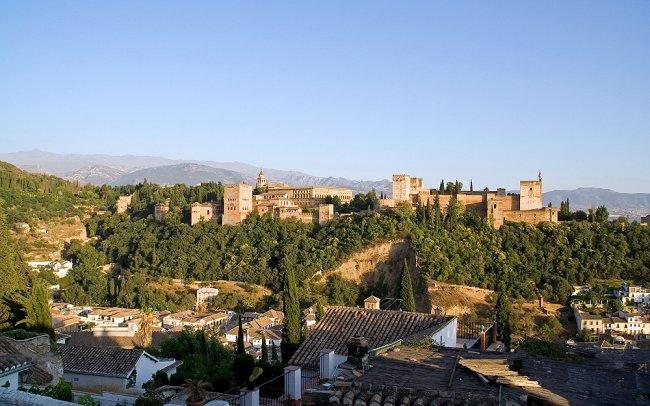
x=291, y=330
x=265, y=350
x=241, y=349
x=406, y=290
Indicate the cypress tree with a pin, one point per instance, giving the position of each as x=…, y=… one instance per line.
x=504, y=319
x=291, y=330
x=265, y=350
x=471, y=186
x=406, y=290
x=320, y=312
x=442, y=186
x=437, y=213
x=240, y=339
x=274, y=352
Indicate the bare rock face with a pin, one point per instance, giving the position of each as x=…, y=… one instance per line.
x=381, y=261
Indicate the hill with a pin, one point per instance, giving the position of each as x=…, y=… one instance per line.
x=632, y=205
x=190, y=174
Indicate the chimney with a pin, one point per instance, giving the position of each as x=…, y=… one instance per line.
x=372, y=302
x=437, y=311
x=358, y=352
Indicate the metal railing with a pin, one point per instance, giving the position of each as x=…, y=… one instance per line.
x=273, y=392
x=309, y=378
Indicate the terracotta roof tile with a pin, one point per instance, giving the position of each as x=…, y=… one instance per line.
x=104, y=361
x=380, y=327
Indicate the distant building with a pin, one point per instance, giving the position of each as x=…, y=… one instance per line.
x=59, y=268
x=204, y=211
x=372, y=302
x=261, y=181
x=123, y=203
x=499, y=207
x=237, y=203
x=194, y=320
x=620, y=322
x=206, y=295
x=645, y=219
x=633, y=294
x=161, y=210
x=312, y=195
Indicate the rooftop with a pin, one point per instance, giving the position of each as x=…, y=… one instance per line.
x=379, y=327
x=103, y=361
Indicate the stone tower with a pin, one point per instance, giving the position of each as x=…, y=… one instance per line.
x=237, y=203
x=401, y=188
x=530, y=194
x=261, y=180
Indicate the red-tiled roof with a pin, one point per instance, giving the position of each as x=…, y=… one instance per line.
x=380, y=327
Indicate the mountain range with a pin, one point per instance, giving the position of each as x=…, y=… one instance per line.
x=130, y=169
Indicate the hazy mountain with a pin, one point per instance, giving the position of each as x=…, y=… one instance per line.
x=632, y=205
x=188, y=173
x=96, y=169
x=62, y=164
x=95, y=174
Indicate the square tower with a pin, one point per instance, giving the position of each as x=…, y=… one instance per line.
x=530, y=194
x=401, y=188
x=237, y=203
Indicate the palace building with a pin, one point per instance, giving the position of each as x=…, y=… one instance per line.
x=498, y=206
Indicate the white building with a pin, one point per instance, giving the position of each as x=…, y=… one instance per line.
x=206, y=295
x=634, y=294
x=120, y=370
x=59, y=268
x=194, y=320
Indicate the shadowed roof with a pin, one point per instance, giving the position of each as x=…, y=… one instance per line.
x=104, y=361
x=380, y=327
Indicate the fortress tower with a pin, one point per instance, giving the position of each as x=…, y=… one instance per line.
x=405, y=186
x=237, y=203
x=530, y=194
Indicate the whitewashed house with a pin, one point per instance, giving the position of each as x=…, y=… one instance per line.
x=111, y=369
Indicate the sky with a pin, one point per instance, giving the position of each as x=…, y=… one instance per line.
x=488, y=91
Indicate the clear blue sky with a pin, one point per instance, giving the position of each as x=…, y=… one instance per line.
x=486, y=90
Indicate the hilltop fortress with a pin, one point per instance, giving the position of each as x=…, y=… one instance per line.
x=308, y=203
x=527, y=206
x=240, y=200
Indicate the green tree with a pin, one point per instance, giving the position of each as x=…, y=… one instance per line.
x=37, y=309
x=241, y=349
x=265, y=350
x=320, y=311
x=602, y=214
x=291, y=329
x=504, y=319
x=406, y=290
